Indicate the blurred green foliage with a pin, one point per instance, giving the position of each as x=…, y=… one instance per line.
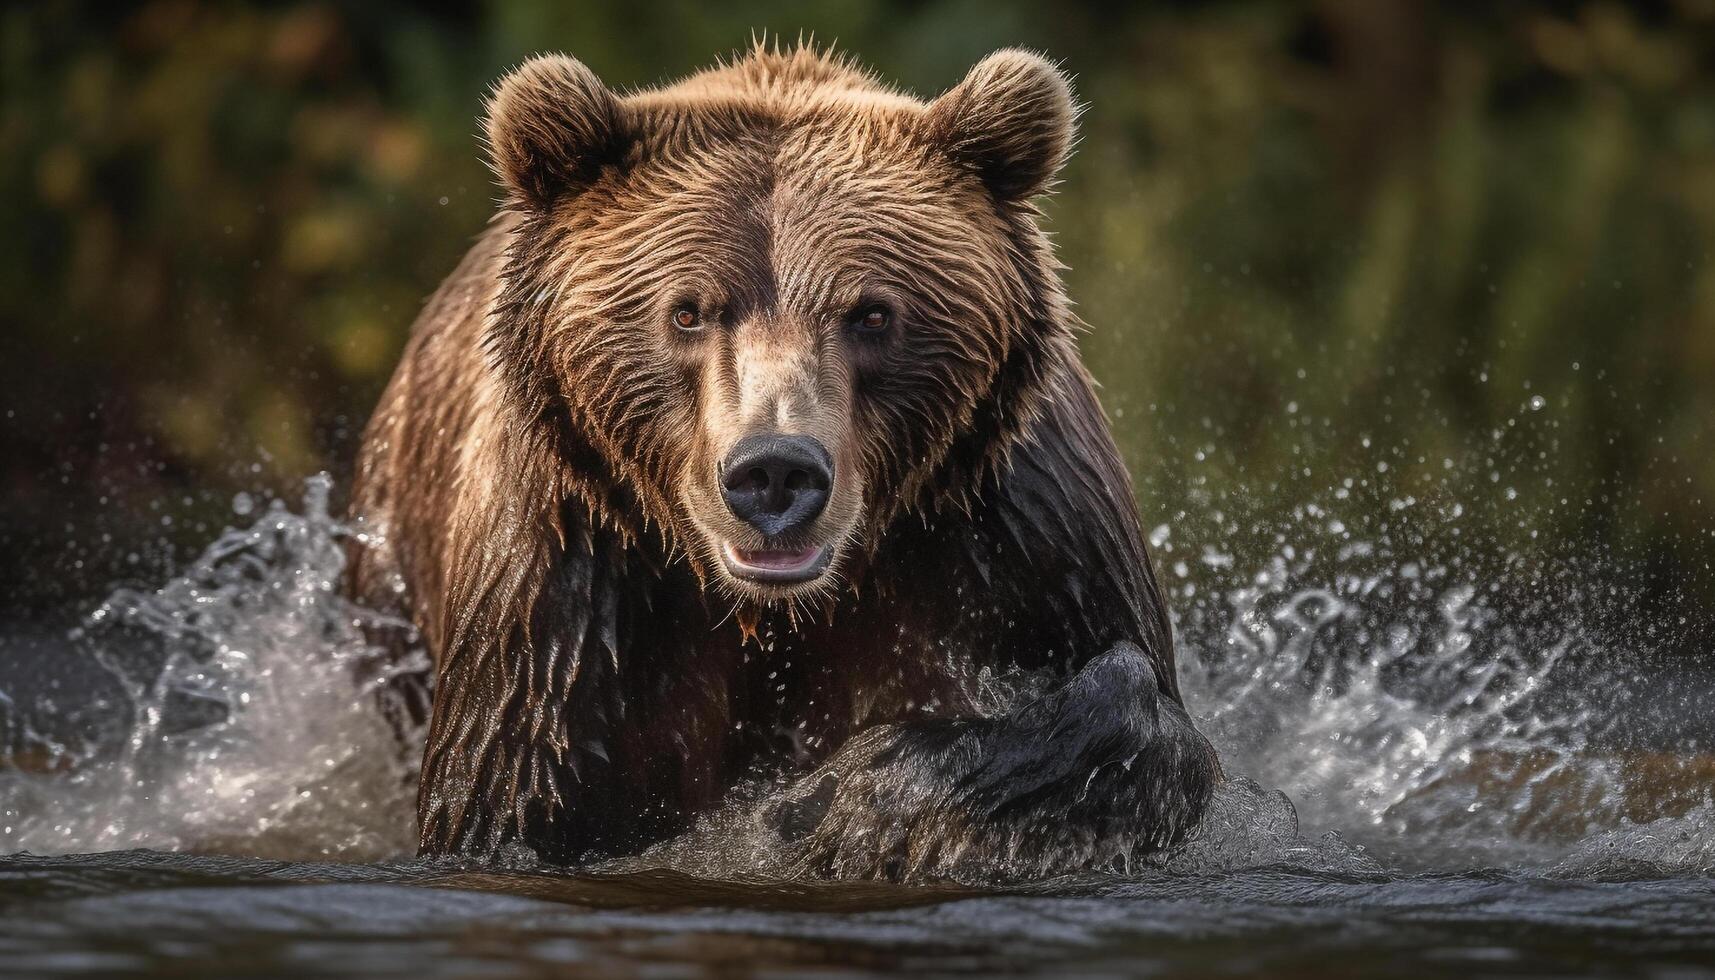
x=1374, y=253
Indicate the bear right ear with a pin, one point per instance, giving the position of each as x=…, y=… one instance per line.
x=552, y=124
x=1011, y=121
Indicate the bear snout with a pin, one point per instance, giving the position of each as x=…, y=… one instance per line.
x=777, y=484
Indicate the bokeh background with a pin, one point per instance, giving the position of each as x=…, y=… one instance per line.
x=1355, y=271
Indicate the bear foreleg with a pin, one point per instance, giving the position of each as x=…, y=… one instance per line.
x=1099, y=773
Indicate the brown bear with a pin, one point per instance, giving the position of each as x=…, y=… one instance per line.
x=752, y=437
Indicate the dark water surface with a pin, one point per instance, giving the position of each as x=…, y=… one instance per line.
x=180, y=914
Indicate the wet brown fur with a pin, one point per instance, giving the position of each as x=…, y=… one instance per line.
x=538, y=484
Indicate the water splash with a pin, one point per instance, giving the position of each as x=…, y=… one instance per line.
x=1439, y=722
x=1405, y=710
x=251, y=693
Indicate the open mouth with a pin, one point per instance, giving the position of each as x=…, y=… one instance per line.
x=775, y=566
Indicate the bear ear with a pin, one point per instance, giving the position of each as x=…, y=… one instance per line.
x=552, y=124
x=1011, y=120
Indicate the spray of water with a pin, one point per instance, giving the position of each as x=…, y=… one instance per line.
x=252, y=694
x=1439, y=720
x=1400, y=710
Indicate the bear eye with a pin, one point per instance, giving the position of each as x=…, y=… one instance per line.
x=873, y=319
x=686, y=317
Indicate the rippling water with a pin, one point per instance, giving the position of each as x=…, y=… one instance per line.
x=139, y=910
x=1437, y=769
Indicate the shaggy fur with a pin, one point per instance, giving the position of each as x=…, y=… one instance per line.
x=540, y=485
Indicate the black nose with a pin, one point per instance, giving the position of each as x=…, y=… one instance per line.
x=777, y=484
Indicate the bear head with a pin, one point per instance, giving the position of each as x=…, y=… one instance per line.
x=772, y=308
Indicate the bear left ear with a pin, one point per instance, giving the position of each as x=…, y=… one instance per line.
x=1011, y=120
x=552, y=124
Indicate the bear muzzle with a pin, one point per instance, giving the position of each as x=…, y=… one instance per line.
x=779, y=485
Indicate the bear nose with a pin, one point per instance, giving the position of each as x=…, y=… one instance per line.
x=777, y=484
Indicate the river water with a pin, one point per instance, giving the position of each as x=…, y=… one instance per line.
x=1439, y=766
